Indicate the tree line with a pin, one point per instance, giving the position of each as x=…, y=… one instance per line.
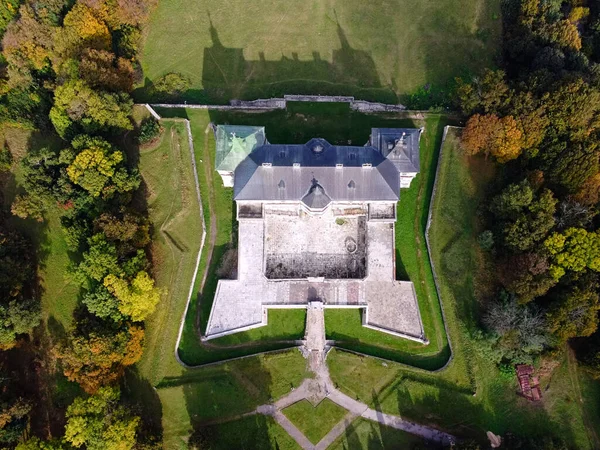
x=68, y=68
x=539, y=118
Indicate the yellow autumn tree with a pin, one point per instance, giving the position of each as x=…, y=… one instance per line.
x=83, y=28
x=138, y=299
x=93, y=167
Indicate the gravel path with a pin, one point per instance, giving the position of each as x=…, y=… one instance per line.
x=316, y=389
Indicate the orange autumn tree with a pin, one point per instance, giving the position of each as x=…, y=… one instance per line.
x=491, y=135
x=98, y=358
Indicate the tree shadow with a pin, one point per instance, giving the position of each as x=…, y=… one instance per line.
x=216, y=399
x=144, y=402
x=440, y=404
x=227, y=75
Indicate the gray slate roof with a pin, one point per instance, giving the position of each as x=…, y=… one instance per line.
x=399, y=145
x=268, y=173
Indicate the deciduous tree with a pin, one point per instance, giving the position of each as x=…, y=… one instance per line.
x=138, y=298
x=575, y=249
x=574, y=313
x=94, y=166
x=80, y=109
x=98, y=422
x=98, y=357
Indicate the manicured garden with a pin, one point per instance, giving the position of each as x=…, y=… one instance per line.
x=372, y=50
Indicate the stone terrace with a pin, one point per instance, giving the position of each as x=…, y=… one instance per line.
x=389, y=305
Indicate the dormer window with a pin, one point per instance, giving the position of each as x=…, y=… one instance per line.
x=296, y=165
x=267, y=165
x=367, y=165
x=281, y=184
x=339, y=166
x=352, y=185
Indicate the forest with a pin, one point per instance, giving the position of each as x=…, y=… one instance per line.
x=539, y=118
x=68, y=69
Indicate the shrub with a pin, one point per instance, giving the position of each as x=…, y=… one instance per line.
x=149, y=130
x=5, y=160
x=507, y=371
x=486, y=240
x=171, y=85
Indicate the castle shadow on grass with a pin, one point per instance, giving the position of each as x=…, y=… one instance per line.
x=228, y=75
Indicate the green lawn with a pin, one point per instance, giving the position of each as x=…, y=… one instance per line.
x=315, y=422
x=373, y=50
x=364, y=434
x=174, y=212
x=468, y=397
x=254, y=432
x=187, y=401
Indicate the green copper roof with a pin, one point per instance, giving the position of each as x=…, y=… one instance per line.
x=235, y=143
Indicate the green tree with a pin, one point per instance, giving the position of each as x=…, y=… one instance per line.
x=99, y=261
x=98, y=422
x=574, y=313
x=94, y=165
x=35, y=443
x=488, y=94
x=572, y=106
x=80, y=109
x=17, y=318
x=575, y=249
x=526, y=217
x=28, y=206
x=100, y=302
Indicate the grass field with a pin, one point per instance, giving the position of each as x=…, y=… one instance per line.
x=373, y=50
x=254, y=432
x=469, y=397
x=364, y=434
x=59, y=291
x=315, y=421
